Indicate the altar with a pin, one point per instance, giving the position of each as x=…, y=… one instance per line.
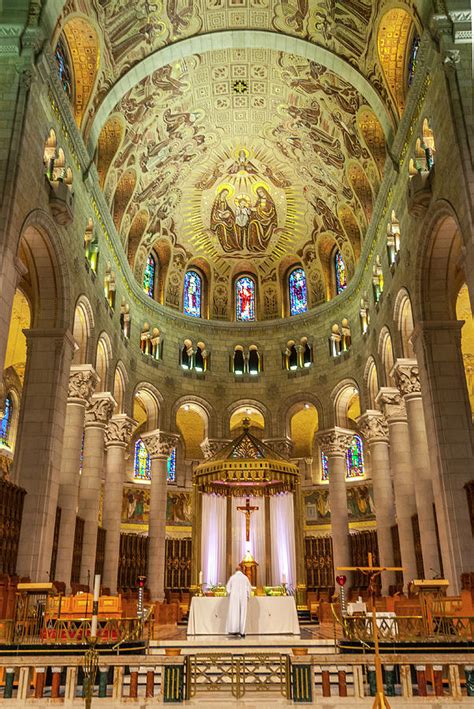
x=265, y=615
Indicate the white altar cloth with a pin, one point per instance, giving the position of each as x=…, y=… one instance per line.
x=265, y=615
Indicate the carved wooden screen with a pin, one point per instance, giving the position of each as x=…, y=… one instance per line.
x=178, y=564
x=100, y=551
x=77, y=551
x=420, y=571
x=11, y=510
x=319, y=563
x=397, y=555
x=133, y=560
x=470, y=502
x=361, y=543
x=54, y=550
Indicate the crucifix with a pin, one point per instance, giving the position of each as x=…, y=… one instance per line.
x=247, y=511
x=380, y=701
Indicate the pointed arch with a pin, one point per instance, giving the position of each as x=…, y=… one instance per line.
x=395, y=38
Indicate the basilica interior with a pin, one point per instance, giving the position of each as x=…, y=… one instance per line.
x=236, y=277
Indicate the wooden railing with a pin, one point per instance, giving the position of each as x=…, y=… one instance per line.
x=71, y=632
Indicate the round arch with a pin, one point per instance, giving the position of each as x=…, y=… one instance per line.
x=403, y=317
x=295, y=403
x=103, y=357
x=199, y=405
x=386, y=353
x=82, y=329
x=343, y=397
x=371, y=381
x=152, y=402
x=250, y=403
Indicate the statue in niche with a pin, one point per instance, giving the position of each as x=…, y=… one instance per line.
x=249, y=227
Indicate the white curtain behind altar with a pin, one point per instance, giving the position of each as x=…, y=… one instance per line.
x=213, y=534
x=257, y=534
x=282, y=530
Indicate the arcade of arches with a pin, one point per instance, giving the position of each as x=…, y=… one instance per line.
x=218, y=220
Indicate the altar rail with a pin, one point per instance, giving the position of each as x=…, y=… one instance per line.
x=409, y=629
x=71, y=632
x=177, y=679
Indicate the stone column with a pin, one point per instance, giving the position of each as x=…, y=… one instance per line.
x=159, y=446
x=98, y=413
x=391, y=401
x=82, y=381
x=334, y=443
x=299, y=543
x=117, y=438
x=450, y=431
x=374, y=428
x=39, y=445
x=407, y=379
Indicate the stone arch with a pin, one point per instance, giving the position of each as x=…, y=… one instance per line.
x=103, y=358
x=387, y=354
x=403, y=317
x=371, y=381
x=253, y=404
x=152, y=401
x=49, y=289
x=344, y=396
x=83, y=326
x=200, y=405
x=120, y=387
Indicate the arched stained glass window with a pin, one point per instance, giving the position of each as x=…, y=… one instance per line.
x=149, y=276
x=412, y=58
x=324, y=467
x=171, y=469
x=64, y=67
x=192, y=294
x=298, y=292
x=6, y=421
x=245, y=299
x=355, y=458
x=341, y=273
x=141, y=468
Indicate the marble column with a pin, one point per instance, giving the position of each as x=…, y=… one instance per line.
x=391, y=402
x=98, y=414
x=449, y=426
x=82, y=381
x=406, y=375
x=39, y=445
x=334, y=443
x=374, y=428
x=159, y=446
x=117, y=438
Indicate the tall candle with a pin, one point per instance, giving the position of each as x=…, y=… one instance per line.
x=200, y=578
x=95, y=606
x=283, y=578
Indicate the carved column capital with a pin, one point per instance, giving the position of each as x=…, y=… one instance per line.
x=335, y=441
x=119, y=430
x=373, y=426
x=100, y=409
x=82, y=382
x=283, y=446
x=407, y=377
x=391, y=402
x=160, y=444
x=211, y=446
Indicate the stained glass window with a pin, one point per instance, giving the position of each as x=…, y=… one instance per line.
x=298, y=292
x=355, y=458
x=412, y=58
x=324, y=467
x=6, y=421
x=64, y=67
x=141, y=469
x=341, y=274
x=171, y=474
x=192, y=294
x=245, y=299
x=149, y=276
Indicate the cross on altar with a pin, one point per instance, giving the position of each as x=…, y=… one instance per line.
x=380, y=701
x=247, y=511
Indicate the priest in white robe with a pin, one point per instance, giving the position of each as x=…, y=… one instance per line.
x=238, y=588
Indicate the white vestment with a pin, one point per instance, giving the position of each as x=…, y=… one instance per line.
x=238, y=588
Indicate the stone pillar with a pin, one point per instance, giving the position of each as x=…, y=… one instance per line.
x=159, y=446
x=98, y=413
x=407, y=379
x=299, y=543
x=449, y=426
x=334, y=443
x=117, y=438
x=39, y=445
x=374, y=428
x=82, y=381
x=401, y=460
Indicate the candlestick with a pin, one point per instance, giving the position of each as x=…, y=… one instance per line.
x=95, y=606
x=283, y=578
x=200, y=578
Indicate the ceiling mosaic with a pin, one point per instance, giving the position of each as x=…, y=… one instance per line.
x=243, y=154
